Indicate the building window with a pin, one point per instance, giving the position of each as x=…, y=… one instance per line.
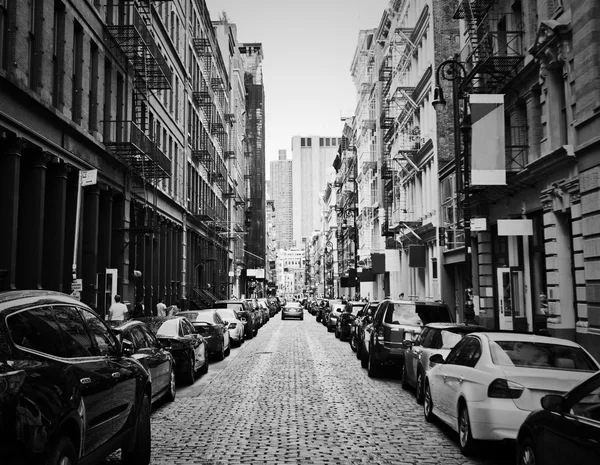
x=77, y=72
x=4, y=34
x=321, y=142
x=93, y=92
x=107, y=99
x=308, y=142
x=58, y=54
x=34, y=42
x=302, y=142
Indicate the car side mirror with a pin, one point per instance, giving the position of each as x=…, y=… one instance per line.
x=436, y=358
x=127, y=348
x=552, y=402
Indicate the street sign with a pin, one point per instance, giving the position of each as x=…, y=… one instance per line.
x=478, y=224
x=89, y=177
x=77, y=285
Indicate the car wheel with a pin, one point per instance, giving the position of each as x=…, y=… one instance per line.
x=138, y=452
x=525, y=452
x=191, y=373
x=403, y=377
x=61, y=452
x=228, y=351
x=466, y=441
x=373, y=366
x=353, y=343
x=336, y=333
x=364, y=358
x=428, y=405
x=358, y=349
x=419, y=390
x=221, y=353
x=172, y=388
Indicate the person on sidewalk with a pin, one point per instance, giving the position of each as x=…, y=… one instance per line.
x=161, y=308
x=117, y=311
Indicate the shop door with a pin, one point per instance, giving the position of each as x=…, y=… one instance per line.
x=505, y=306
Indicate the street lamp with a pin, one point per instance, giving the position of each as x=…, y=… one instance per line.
x=454, y=71
x=329, y=267
x=352, y=212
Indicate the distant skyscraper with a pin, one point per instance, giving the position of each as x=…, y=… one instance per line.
x=312, y=159
x=281, y=190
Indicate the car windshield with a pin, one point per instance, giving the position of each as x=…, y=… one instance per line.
x=227, y=313
x=169, y=328
x=540, y=355
x=203, y=317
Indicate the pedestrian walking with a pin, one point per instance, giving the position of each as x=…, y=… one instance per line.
x=118, y=310
x=138, y=310
x=161, y=308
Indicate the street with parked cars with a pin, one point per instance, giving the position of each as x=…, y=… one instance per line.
x=75, y=389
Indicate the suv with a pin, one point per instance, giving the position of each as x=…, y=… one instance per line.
x=244, y=310
x=69, y=390
x=393, y=322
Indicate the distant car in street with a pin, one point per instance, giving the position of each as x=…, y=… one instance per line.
x=565, y=430
x=70, y=392
x=235, y=324
x=188, y=348
x=213, y=329
x=436, y=338
x=150, y=353
x=489, y=382
x=292, y=310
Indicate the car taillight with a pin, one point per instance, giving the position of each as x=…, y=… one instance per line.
x=504, y=389
x=232, y=325
x=379, y=335
x=11, y=382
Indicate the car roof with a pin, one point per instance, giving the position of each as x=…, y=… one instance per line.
x=35, y=297
x=456, y=326
x=525, y=337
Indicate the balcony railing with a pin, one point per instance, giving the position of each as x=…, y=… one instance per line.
x=137, y=151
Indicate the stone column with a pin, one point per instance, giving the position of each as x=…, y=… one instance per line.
x=31, y=221
x=10, y=171
x=149, y=265
x=163, y=278
x=534, y=115
x=55, y=230
x=169, y=299
x=105, y=238
x=89, y=244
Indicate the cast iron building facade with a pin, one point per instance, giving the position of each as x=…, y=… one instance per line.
x=281, y=187
x=138, y=91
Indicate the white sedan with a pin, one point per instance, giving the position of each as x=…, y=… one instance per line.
x=491, y=381
x=235, y=324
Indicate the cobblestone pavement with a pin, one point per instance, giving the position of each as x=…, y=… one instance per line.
x=295, y=394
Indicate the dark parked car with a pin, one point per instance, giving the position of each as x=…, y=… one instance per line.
x=211, y=326
x=188, y=348
x=566, y=430
x=244, y=310
x=148, y=350
x=70, y=392
x=436, y=338
x=332, y=317
x=363, y=317
x=394, y=322
x=343, y=327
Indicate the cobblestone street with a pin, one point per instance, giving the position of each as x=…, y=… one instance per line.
x=296, y=394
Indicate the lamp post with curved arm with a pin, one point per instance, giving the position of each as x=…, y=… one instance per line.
x=352, y=212
x=454, y=71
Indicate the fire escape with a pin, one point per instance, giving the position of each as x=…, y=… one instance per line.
x=494, y=45
x=132, y=140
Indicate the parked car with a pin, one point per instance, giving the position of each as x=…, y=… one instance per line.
x=332, y=317
x=152, y=355
x=436, y=338
x=494, y=380
x=321, y=311
x=363, y=317
x=188, y=348
x=565, y=430
x=244, y=310
x=58, y=359
x=235, y=324
x=292, y=310
x=343, y=326
x=393, y=322
x=213, y=329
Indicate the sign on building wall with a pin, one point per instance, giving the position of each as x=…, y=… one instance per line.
x=488, y=155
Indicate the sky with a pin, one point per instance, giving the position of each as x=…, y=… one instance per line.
x=308, y=47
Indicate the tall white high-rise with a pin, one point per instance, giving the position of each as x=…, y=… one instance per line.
x=281, y=191
x=312, y=160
